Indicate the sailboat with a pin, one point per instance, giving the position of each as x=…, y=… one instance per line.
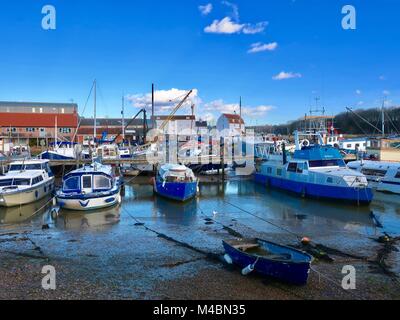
x=92, y=187
x=61, y=150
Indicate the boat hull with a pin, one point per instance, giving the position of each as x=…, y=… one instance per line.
x=89, y=203
x=27, y=196
x=296, y=273
x=176, y=191
x=389, y=187
x=49, y=155
x=318, y=191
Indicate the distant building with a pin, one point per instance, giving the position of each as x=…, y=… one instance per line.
x=201, y=127
x=34, y=122
x=232, y=124
x=176, y=124
x=110, y=129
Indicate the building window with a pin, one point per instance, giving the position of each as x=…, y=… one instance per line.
x=65, y=130
x=30, y=129
x=33, y=110
x=62, y=110
x=42, y=130
x=11, y=129
x=41, y=110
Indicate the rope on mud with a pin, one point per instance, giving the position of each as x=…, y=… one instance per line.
x=209, y=255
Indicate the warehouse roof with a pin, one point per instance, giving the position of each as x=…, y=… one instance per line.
x=37, y=104
x=109, y=122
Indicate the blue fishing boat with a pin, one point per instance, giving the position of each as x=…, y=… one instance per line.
x=176, y=182
x=315, y=171
x=269, y=259
x=89, y=188
x=60, y=151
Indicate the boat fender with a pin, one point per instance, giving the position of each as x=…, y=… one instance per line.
x=249, y=269
x=54, y=201
x=228, y=259
x=305, y=241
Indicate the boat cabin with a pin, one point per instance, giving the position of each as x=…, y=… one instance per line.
x=31, y=165
x=22, y=179
x=88, y=180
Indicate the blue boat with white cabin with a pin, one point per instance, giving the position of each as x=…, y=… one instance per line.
x=89, y=188
x=269, y=259
x=176, y=182
x=315, y=171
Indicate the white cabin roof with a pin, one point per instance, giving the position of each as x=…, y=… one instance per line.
x=34, y=161
x=22, y=175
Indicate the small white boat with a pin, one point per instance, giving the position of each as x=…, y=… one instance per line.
x=108, y=152
x=26, y=182
x=382, y=176
x=89, y=188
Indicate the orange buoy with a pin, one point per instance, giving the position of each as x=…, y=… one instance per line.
x=306, y=241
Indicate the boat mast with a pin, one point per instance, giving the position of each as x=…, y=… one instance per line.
x=95, y=107
x=56, y=133
x=383, y=116
x=123, y=118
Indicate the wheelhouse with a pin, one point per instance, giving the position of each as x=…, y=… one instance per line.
x=87, y=183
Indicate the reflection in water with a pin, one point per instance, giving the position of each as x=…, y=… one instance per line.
x=20, y=214
x=175, y=212
x=71, y=220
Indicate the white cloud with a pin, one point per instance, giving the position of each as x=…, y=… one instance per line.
x=358, y=92
x=360, y=103
x=386, y=92
x=206, y=9
x=164, y=100
x=224, y=26
x=286, y=75
x=382, y=78
x=260, y=47
x=219, y=107
x=254, y=29
x=228, y=26
x=235, y=9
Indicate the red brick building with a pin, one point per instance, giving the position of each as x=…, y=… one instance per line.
x=31, y=122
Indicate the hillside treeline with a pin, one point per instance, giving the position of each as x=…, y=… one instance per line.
x=348, y=123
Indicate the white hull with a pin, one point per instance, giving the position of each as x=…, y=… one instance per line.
x=90, y=204
x=389, y=188
x=25, y=197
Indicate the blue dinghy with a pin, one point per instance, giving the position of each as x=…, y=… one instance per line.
x=176, y=182
x=269, y=259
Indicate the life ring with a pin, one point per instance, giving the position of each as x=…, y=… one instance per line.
x=305, y=143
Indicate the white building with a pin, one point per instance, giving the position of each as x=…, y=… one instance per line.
x=232, y=124
x=177, y=125
x=359, y=144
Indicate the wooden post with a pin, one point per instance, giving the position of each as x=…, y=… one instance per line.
x=222, y=151
x=167, y=147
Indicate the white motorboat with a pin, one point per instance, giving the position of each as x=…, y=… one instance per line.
x=26, y=182
x=89, y=188
x=382, y=176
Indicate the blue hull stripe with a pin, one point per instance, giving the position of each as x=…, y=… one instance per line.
x=54, y=156
x=318, y=191
x=176, y=191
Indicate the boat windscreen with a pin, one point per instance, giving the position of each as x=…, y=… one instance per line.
x=72, y=183
x=34, y=166
x=22, y=182
x=16, y=167
x=6, y=182
x=327, y=163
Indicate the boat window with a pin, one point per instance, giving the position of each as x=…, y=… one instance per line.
x=397, y=175
x=292, y=167
x=279, y=172
x=269, y=170
x=374, y=172
x=22, y=182
x=71, y=184
x=86, y=182
x=329, y=180
x=5, y=182
x=300, y=167
x=327, y=163
x=102, y=182
x=16, y=167
x=35, y=166
x=37, y=180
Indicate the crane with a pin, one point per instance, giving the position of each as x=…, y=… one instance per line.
x=175, y=110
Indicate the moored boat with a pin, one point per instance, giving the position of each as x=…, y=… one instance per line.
x=176, y=182
x=316, y=171
x=382, y=176
x=89, y=188
x=26, y=182
x=269, y=259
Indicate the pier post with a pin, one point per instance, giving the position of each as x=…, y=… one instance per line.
x=222, y=151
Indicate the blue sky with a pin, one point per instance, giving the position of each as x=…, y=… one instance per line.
x=127, y=45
